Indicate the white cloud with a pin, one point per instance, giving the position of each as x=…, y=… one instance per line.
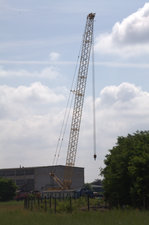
x=27, y=100
x=125, y=92
x=128, y=38
x=54, y=56
x=120, y=110
x=31, y=117
x=48, y=72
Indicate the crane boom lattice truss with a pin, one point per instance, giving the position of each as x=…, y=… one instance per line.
x=78, y=104
x=80, y=90
x=79, y=100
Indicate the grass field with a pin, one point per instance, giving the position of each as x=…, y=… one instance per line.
x=13, y=213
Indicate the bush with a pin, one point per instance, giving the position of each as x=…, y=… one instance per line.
x=7, y=189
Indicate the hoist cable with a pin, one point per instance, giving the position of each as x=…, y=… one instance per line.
x=66, y=117
x=93, y=94
x=64, y=130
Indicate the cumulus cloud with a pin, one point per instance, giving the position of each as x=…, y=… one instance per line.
x=124, y=101
x=48, y=72
x=120, y=110
x=31, y=118
x=26, y=100
x=129, y=37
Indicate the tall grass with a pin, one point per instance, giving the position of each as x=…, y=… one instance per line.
x=14, y=214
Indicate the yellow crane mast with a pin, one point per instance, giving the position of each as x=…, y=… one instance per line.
x=78, y=104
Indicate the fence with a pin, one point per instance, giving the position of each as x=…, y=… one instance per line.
x=55, y=205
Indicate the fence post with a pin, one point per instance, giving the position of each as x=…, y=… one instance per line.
x=55, y=204
x=50, y=202
x=25, y=203
x=38, y=200
x=70, y=204
x=88, y=202
x=31, y=203
x=45, y=201
x=34, y=200
x=28, y=202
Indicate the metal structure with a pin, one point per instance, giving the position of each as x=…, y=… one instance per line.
x=80, y=91
x=78, y=103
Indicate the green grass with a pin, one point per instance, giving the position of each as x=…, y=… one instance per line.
x=13, y=213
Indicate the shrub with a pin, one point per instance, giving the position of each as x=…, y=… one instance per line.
x=7, y=189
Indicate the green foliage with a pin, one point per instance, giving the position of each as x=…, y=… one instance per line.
x=7, y=189
x=87, y=186
x=126, y=174
x=97, y=182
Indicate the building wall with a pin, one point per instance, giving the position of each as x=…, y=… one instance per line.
x=23, y=177
x=38, y=178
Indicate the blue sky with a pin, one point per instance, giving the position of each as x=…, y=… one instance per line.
x=39, y=46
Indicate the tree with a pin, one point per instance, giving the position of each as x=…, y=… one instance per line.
x=87, y=186
x=7, y=189
x=97, y=182
x=126, y=172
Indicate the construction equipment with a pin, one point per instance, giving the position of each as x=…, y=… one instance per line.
x=78, y=105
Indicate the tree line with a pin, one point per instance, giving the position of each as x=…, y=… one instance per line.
x=126, y=172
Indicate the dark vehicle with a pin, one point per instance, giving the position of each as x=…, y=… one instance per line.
x=84, y=192
x=20, y=196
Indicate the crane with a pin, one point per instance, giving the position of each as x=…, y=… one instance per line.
x=78, y=104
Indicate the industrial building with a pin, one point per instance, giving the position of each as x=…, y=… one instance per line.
x=38, y=179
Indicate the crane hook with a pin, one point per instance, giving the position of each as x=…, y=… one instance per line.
x=95, y=156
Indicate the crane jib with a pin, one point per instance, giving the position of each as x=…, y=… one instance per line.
x=79, y=98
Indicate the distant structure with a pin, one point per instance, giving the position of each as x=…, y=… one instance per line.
x=37, y=178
